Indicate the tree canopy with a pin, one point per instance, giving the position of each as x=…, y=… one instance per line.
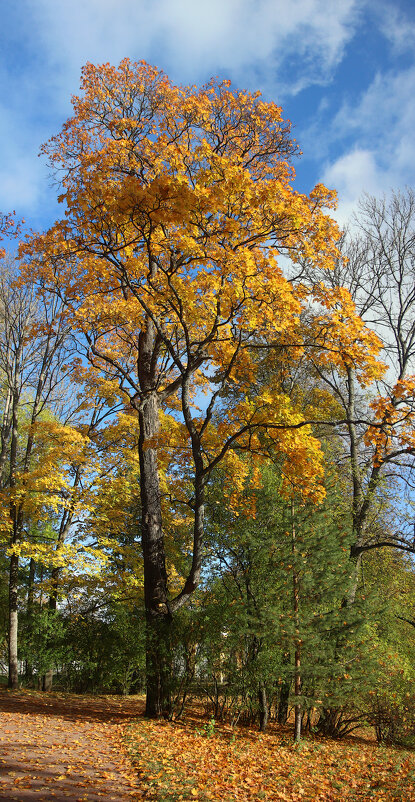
x=200, y=358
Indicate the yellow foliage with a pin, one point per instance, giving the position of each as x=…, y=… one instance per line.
x=179, y=202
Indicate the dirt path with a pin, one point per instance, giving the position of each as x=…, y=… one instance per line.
x=60, y=747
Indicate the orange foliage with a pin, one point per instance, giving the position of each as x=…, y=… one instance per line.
x=179, y=201
x=185, y=762
x=392, y=430
x=9, y=228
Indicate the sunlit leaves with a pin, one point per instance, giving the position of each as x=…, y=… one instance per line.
x=186, y=762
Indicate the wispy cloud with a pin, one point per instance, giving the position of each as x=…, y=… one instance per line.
x=381, y=127
x=268, y=44
x=193, y=39
x=352, y=175
x=397, y=25
x=274, y=45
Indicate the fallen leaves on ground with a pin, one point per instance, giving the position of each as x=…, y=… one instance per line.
x=60, y=747
x=65, y=747
x=187, y=762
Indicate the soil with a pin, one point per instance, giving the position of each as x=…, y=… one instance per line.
x=66, y=748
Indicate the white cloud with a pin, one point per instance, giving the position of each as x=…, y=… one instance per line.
x=386, y=104
x=352, y=175
x=193, y=39
x=381, y=127
x=395, y=25
x=267, y=43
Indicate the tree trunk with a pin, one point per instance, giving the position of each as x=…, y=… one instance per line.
x=5, y=436
x=47, y=677
x=284, y=687
x=297, y=639
x=47, y=680
x=158, y=615
x=64, y=528
x=13, y=623
x=283, y=702
x=158, y=666
x=297, y=708
x=297, y=691
x=13, y=681
x=351, y=595
x=16, y=508
x=30, y=614
x=263, y=707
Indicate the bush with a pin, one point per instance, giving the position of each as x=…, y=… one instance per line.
x=393, y=716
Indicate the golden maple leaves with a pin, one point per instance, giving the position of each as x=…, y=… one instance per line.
x=179, y=201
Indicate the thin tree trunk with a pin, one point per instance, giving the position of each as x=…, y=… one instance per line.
x=30, y=613
x=284, y=691
x=297, y=691
x=64, y=528
x=29, y=448
x=297, y=650
x=13, y=681
x=193, y=577
x=263, y=707
x=360, y=503
x=5, y=436
x=351, y=595
x=47, y=677
x=13, y=622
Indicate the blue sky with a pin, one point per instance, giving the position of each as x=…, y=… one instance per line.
x=343, y=71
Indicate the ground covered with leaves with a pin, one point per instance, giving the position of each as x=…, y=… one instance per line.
x=202, y=760
x=65, y=747
x=100, y=749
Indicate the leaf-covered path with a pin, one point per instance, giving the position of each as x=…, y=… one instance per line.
x=61, y=747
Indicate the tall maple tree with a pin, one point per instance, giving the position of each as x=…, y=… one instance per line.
x=178, y=202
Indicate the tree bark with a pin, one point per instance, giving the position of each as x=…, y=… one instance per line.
x=5, y=437
x=13, y=623
x=30, y=614
x=158, y=615
x=297, y=639
x=263, y=707
x=47, y=680
x=13, y=681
